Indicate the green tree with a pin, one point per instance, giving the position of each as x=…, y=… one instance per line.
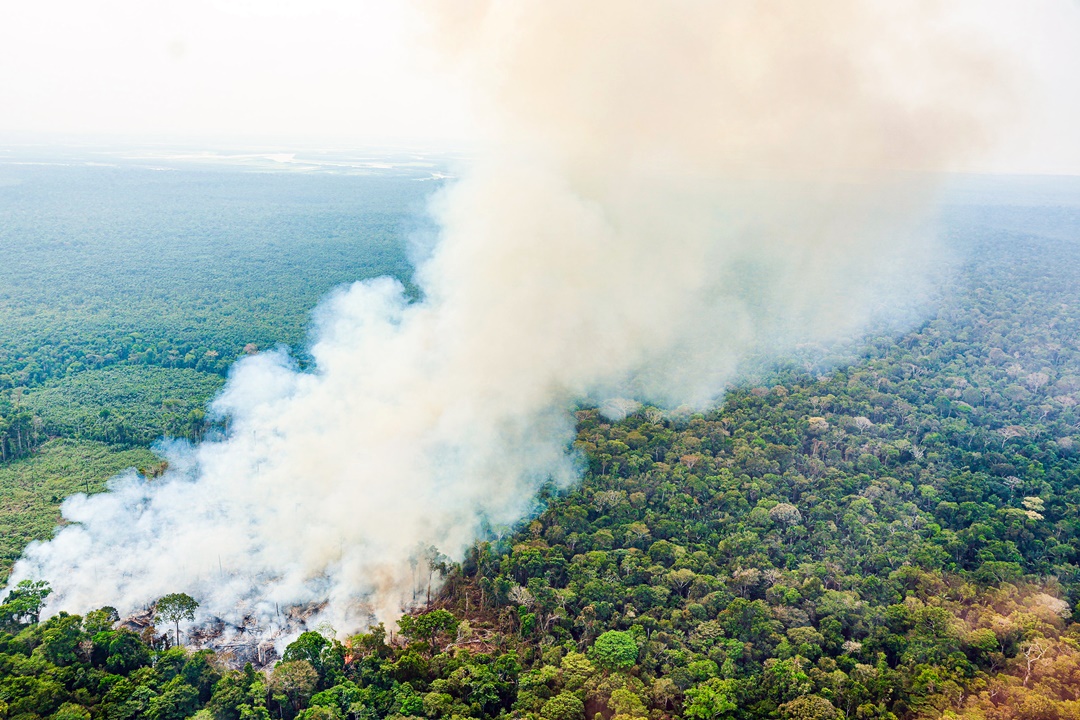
x=294, y=681
x=22, y=606
x=100, y=620
x=564, y=706
x=711, y=700
x=429, y=627
x=614, y=650
x=119, y=651
x=326, y=656
x=810, y=707
x=176, y=701
x=71, y=711
x=60, y=638
x=175, y=607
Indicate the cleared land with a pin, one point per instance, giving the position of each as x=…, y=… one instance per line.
x=32, y=489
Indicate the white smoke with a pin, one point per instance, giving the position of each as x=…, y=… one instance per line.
x=668, y=187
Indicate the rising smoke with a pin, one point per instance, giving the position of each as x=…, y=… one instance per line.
x=667, y=188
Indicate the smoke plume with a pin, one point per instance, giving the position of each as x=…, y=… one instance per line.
x=665, y=189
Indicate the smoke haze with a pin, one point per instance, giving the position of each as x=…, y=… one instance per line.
x=670, y=187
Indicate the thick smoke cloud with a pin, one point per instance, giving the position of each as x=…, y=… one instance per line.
x=669, y=188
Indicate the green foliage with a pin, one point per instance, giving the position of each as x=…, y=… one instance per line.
x=125, y=405
x=60, y=638
x=131, y=266
x=20, y=430
x=119, y=651
x=22, y=605
x=100, y=620
x=309, y=646
x=71, y=711
x=564, y=706
x=712, y=700
x=325, y=655
x=292, y=682
x=810, y=707
x=614, y=650
x=428, y=627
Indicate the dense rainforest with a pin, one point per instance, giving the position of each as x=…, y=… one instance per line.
x=111, y=272
x=894, y=536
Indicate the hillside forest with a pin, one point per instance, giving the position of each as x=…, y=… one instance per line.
x=894, y=535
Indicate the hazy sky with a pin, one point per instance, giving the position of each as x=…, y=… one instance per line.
x=355, y=71
x=273, y=68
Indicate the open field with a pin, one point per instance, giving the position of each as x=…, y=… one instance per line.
x=31, y=489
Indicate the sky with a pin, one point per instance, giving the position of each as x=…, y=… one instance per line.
x=358, y=72
x=314, y=70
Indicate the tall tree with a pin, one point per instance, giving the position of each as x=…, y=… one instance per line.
x=175, y=607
